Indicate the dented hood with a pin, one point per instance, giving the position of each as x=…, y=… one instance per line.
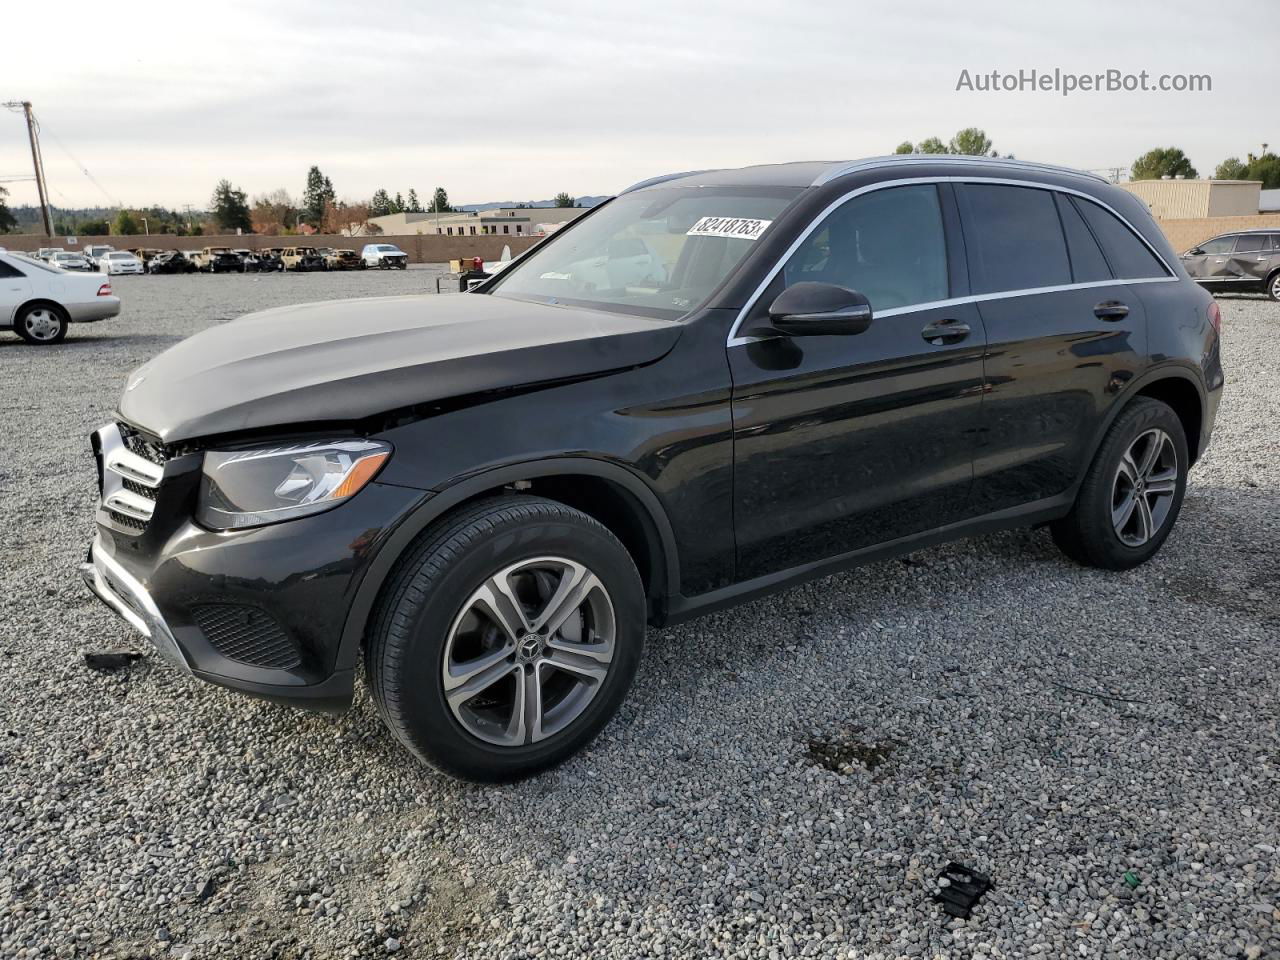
x=351, y=359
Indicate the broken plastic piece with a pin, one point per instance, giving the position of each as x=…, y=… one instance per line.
x=110, y=659
x=961, y=890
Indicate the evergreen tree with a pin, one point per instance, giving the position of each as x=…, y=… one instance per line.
x=414, y=206
x=397, y=205
x=230, y=208
x=317, y=196
x=563, y=200
x=126, y=226
x=440, y=202
x=7, y=220
x=380, y=205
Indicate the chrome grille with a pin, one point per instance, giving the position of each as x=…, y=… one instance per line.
x=131, y=469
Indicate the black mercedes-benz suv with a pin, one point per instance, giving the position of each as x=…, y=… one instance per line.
x=715, y=385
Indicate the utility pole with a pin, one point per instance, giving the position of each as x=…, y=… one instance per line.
x=36, y=162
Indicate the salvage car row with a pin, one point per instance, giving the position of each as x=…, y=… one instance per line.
x=106, y=259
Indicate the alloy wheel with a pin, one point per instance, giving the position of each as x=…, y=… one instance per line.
x=529, y=651
x=42, y=324
x=1145, y=484
x=1275, y=287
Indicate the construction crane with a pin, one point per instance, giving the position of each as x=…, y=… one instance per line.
x=37, y=162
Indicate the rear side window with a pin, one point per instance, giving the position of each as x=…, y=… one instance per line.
x=1248, y=242
x=888, y=245
x=1130, y=258
x=1014, y=238
x=1087, y=262
x=9, y=272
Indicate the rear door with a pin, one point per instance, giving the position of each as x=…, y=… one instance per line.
x=1062, y=334
x=1251, y=259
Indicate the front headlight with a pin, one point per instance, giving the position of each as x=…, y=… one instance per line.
x=249, y=488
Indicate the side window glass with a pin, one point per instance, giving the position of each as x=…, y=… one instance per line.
x=1248, y=242
x=9, y=272
x=1130, y=258
x=1219, y=246
x=888, y=245
x=1087, y=263
x=1014, y=238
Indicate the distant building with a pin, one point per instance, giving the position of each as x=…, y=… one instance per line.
x=1176, y=199
x=503, y=221
x=1269, y=201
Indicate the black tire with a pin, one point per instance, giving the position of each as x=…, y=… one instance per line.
x=406, y=647
x=1273, y=286
x=56, y=315
x=1087, y=534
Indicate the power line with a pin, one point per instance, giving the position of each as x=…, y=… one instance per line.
x=85, y=170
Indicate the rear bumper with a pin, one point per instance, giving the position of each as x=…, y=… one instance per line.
x=99, y=309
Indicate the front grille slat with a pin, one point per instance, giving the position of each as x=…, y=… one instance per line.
x=132, y=471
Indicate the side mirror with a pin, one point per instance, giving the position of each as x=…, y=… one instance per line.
x=1194, y=252
x=819, y=309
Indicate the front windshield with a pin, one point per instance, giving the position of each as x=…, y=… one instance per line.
x=658, y=252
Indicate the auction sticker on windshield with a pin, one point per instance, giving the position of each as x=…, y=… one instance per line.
x=737, y=227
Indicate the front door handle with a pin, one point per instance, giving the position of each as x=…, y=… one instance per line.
x=946, y=331
x=1111, y=310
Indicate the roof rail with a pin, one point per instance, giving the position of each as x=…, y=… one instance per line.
x=653, y=181
x=853, y=166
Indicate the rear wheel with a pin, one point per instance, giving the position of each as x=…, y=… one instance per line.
x=1132, y=494
x=41, y=324
x=506, y=639
x=1273, y=286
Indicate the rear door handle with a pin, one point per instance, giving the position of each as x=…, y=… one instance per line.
x=1111, y=310
x=946, y=331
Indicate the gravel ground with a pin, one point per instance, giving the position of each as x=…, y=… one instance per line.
x=786, y=779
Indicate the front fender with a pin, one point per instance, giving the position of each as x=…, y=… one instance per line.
x=471, y=486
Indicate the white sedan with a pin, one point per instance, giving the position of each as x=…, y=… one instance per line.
x=120, y=261
x=38, y=301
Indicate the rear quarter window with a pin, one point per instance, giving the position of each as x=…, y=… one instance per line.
x=1014, y=238
x=1088, y=265
x=1130, y=257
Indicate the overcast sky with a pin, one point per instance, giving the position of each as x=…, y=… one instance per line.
x=507, y=100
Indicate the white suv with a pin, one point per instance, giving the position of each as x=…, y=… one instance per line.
x=384, y=256
x=120, y=261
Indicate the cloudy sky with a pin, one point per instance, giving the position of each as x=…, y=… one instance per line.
x=513, y=100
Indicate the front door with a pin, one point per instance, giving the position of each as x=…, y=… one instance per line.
x=844, y=442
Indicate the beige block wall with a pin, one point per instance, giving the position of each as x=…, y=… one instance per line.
x=1184, y=234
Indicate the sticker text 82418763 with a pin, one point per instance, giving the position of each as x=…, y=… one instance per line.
x=736, y=227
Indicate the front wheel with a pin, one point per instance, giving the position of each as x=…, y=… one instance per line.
x=1273, y=286
x=41, y=324
x=506, y=639
x=1132, y=493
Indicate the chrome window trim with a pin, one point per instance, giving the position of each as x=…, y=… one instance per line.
x=735, y=341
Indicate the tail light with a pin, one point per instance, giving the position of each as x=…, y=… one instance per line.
x=104, y=290
x=1215, y=318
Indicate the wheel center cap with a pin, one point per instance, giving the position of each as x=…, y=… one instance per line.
x=529, y=647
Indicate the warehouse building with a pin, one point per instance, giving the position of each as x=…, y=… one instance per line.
x=501, y=221
x=1179, y=199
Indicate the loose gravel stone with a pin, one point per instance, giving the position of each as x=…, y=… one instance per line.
x=786, y=779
